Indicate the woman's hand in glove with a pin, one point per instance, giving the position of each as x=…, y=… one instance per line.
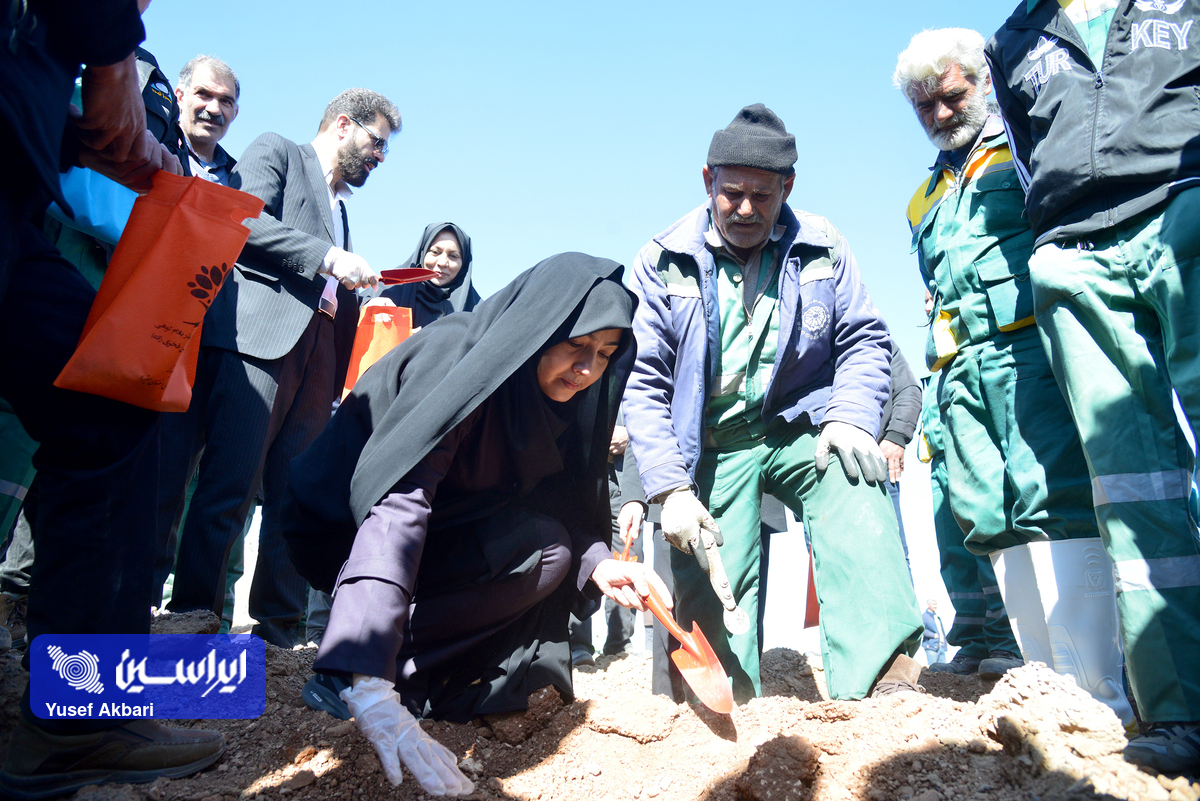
x=398, y=738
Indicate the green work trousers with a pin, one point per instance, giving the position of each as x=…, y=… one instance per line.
x=868, y=608
x=1119, y=321
x=980, y=623
x=1016, y=469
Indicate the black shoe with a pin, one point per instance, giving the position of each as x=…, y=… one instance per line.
x=960, y=665
x=43, y=765
x=1167, y=748
x=322, y=693
x=998, y=663
x=582, y=656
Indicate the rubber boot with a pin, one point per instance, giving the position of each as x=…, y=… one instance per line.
x=1062, y=603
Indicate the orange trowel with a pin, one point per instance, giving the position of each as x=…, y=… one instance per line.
x=697, y=662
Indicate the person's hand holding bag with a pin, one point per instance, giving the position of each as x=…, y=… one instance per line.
x=397, y=737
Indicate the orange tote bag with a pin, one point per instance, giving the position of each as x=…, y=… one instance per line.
x=380, y=328
x=141, y=340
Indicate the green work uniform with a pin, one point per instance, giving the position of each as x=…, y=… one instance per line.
x=981, y=624
x=1117, y=314
x=851, y=523
x=1016, y=470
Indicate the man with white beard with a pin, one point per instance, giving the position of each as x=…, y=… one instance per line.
x=1016, y=471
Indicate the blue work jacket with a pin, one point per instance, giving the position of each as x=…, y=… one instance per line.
x=833, y=351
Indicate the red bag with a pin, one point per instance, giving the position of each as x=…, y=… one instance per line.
x=812, y=609
x=380, y=328
x=142, y=338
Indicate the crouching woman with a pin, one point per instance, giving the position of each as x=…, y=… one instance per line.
x=468, y=470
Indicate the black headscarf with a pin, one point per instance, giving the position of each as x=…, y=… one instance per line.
x=416, y=394
x=427, y=300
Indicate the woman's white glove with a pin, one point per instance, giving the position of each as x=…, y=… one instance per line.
x=685, y=522
x=856, y=449
x=397, y=737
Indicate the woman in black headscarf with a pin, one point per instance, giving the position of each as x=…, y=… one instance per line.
x=446, y=248
x=468, y=470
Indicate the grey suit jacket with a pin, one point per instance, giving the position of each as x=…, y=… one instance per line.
x=275, y=287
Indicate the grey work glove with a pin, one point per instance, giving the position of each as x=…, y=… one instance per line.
x=396, y=736
x=856, y=449
x=685, y=521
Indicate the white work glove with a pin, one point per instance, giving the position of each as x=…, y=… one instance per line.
x=856, y=449
x=687, y=524
x=397, y=736
x=350, y=269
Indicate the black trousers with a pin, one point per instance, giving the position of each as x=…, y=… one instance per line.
x=93, y=530
x=249, y=417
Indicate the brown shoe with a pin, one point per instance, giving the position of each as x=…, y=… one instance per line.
x=43, y=765
x=899, y=677
x=12, y=615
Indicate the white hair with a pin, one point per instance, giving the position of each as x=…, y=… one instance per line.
x=930, y=53
x=219, y=68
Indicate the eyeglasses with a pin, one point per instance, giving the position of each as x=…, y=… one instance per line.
x=381, y=144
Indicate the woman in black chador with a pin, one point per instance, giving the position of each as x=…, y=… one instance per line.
x=468, y=470
x=446, y=249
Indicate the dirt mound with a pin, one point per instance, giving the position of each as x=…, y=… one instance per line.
x=1033, y=734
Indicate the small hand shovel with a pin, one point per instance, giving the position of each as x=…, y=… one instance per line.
x=697, y=662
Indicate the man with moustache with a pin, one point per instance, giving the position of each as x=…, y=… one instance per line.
x=1016, y=471
x=208, y=93
x=207, y=104
x=274, y=352
x=760, y=357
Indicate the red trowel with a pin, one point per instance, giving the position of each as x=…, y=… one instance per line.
x=695, y=659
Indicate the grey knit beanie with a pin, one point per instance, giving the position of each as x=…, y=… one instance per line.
x=756, y=138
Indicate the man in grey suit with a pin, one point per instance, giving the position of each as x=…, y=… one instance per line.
x=275, y=348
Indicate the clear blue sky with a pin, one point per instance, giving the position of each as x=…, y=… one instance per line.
x=583, y=126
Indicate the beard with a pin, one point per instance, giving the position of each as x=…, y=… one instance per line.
x=353, y=164
x=963, y=127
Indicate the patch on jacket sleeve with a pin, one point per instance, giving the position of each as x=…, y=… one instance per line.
x=680, y=273
x=814, y=319
x=818, y=272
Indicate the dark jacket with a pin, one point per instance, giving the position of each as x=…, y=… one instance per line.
x=44, y=44
x=902, y=411
x=1100, y=144
x=276, y=289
